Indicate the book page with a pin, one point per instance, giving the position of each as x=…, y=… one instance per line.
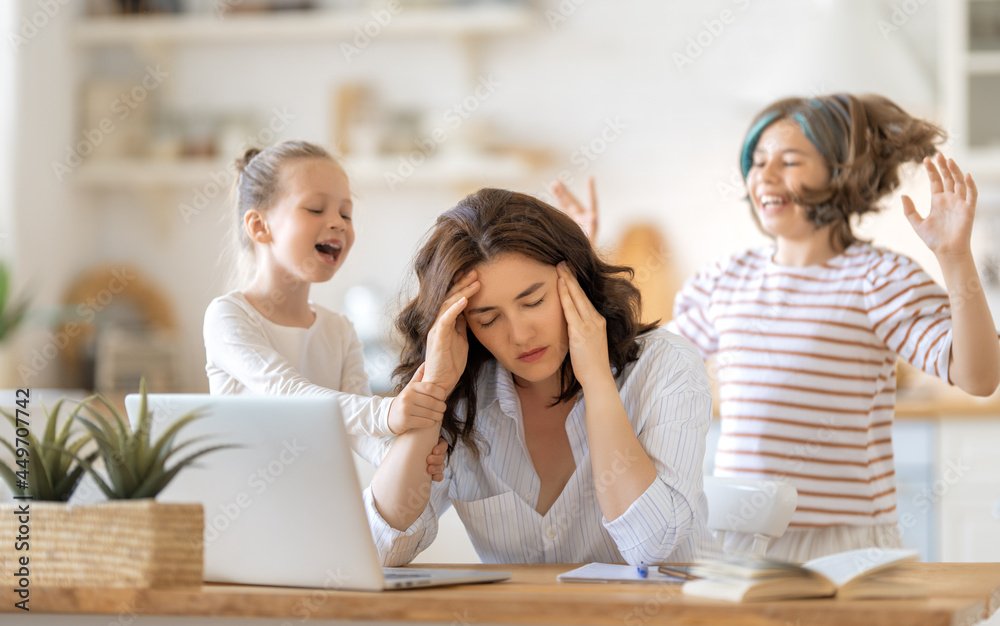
x=749, y=568
x=843, y=567
x=869, y=588
x=766, y=589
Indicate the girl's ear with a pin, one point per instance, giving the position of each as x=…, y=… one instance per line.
x=256, y=226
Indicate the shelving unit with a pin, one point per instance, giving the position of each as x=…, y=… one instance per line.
x=970, y=89
x=300, y=27
x=158, y=36
x=983, y=63
x=145, y=174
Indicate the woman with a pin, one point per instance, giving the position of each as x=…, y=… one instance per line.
x=578, y=434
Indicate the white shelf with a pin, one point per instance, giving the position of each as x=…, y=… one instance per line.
x=984, y=165
x=145, y=173
x=149, y=174
x=984, y=62
x=306, y=26
x=441, y=170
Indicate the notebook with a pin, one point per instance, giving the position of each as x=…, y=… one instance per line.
x=285, y=507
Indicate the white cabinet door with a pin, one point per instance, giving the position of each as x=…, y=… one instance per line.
x=970, y=529
x=967, y=488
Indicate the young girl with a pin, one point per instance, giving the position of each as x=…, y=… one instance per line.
x=806, y=332
x=578, y=432
x=294, y=212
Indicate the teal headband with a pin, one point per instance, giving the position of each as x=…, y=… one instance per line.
x=750, y=144
x=746, y=159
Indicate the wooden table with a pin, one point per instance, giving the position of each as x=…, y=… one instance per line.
x=960, y=593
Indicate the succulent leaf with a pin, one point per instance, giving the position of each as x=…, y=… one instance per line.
x=49, y=456
x=49, y=462
x=135, y=468
x=8, y=477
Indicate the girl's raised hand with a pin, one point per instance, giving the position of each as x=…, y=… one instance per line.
x=588, y=335
x=447, y=342
x=947, y=229
x=583, y=214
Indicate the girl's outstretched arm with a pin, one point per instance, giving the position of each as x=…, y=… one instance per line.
x=974, y=365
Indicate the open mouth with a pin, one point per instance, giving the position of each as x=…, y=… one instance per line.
x=329, y=251
x=770, y=202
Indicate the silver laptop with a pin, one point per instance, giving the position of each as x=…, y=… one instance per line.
x=284, y=508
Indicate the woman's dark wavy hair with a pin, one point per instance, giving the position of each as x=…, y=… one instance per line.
x=483, y=226
x=864, y=140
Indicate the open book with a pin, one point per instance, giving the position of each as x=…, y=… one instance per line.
x=855, y=574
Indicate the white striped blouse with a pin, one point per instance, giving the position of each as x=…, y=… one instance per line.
x=668, y=399
x=805, y=360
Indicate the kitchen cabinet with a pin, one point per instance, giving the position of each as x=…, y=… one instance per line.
x=970, y=83
x=966, y=490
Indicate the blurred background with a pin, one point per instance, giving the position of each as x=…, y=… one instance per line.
x=117, y=131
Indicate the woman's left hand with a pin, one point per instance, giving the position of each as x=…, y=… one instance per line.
x=588, y=335
x=947, y=229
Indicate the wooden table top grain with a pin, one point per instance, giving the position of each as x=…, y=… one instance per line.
x=958, y=594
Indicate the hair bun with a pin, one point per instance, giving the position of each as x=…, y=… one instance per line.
x=243, y=161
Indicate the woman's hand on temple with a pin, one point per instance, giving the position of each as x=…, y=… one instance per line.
x=583, y=214
x=588, y=335
x=447, y=342
x=947, y=229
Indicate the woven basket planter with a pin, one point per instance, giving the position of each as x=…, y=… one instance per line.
x=123, y=543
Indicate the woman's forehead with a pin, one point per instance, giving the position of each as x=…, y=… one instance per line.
x=507, y=276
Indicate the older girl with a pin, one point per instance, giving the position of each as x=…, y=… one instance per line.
x=806, y=332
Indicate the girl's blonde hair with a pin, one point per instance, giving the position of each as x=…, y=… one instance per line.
x=258, y=186
x=864, y=140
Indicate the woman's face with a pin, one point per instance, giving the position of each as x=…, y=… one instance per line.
x=517, y=316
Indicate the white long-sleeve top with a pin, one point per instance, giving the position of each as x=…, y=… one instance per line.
x=668, y=400
x=248, y=354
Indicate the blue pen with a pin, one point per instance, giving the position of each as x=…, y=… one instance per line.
x=642, y=570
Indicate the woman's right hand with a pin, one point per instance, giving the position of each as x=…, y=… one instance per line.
x=447, y=342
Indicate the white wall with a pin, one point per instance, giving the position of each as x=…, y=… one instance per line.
x=8, y=117
x=54, y=236
x=673, y=164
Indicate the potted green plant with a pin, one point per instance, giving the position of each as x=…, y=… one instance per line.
x=54, y=470
x=129, y=541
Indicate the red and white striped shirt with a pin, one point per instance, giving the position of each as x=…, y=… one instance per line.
x=805, y=359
